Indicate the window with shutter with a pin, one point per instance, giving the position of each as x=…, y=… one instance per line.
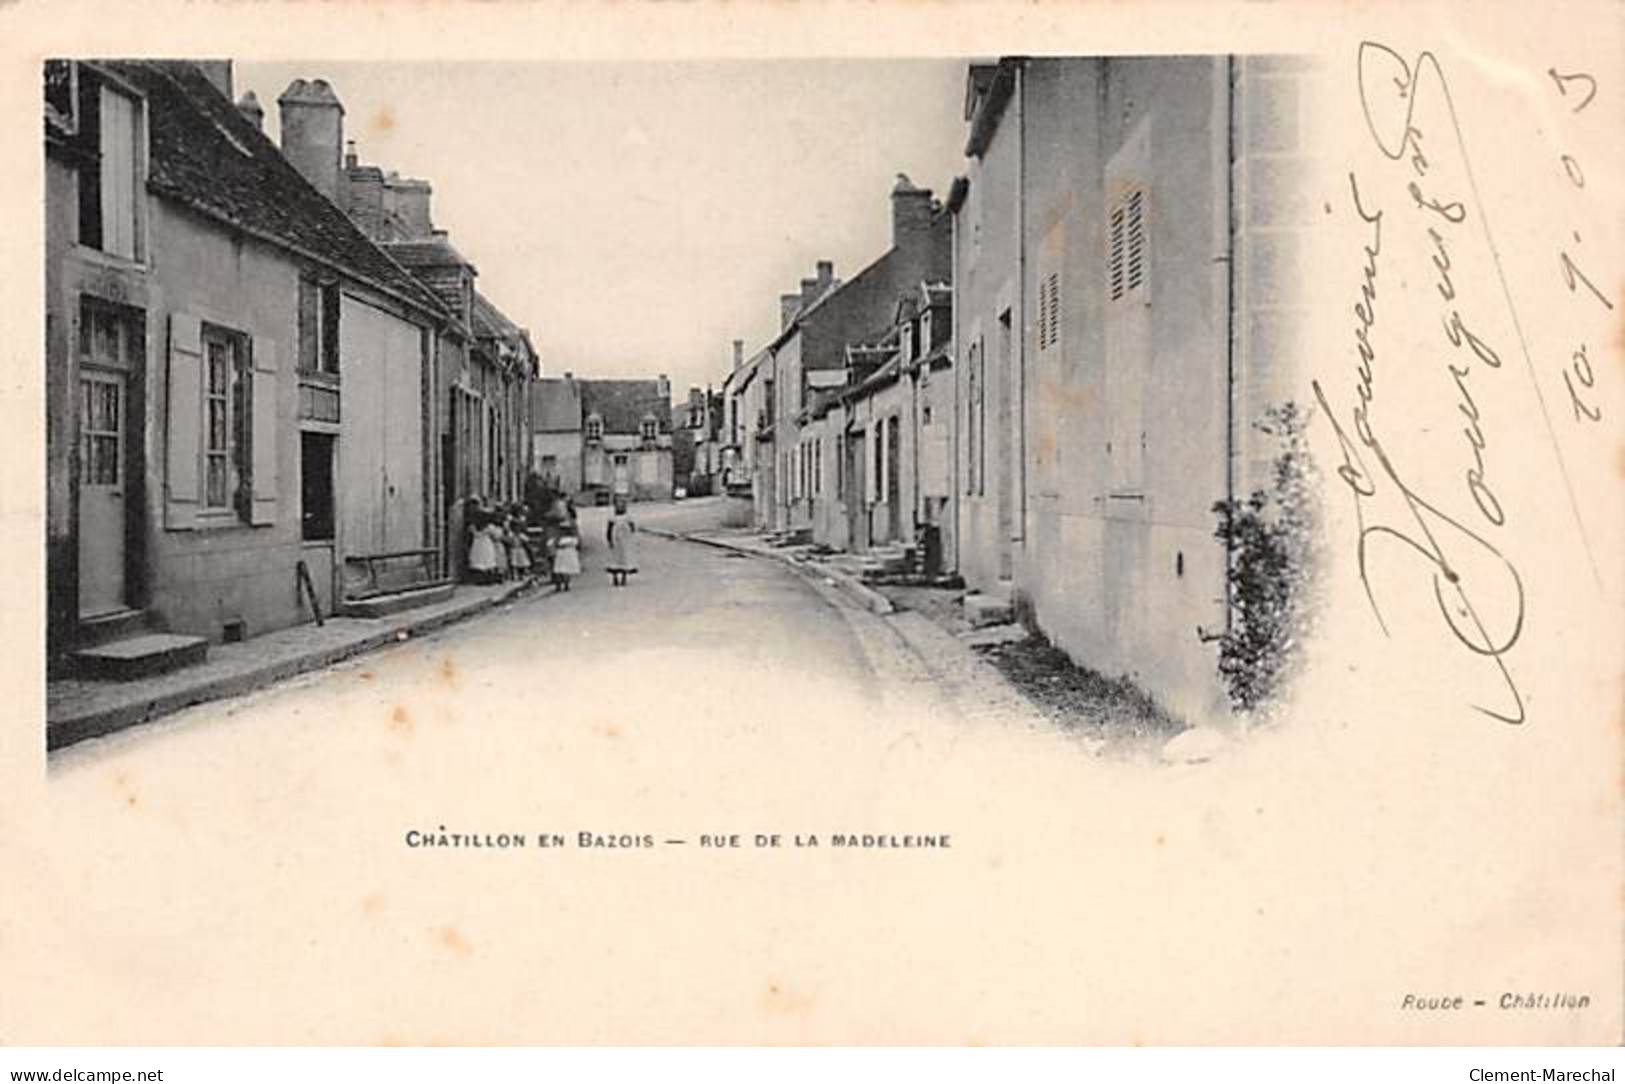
x=264, y=434
x=119, y=147
x=183, y=417
x=1129, y=356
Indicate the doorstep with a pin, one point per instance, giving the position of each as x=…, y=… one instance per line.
x=77, y=709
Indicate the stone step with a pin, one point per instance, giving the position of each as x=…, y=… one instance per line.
x=396, y=601
x=140, y=656
x=984, y=610
x=105, y=628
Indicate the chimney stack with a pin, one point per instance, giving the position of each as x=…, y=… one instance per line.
x=826, y=274
x=789, y=305
x=313, y=133
x=249, y=106
x=217, y=72
x=408, y=204
x=739, y=352
x=911, y=210
x=809, y=291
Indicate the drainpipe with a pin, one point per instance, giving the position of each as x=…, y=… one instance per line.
x=958, y=303
x=1226, y=215
x=1019, y=371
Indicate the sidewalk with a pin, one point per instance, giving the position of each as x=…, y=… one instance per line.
x=838, y=569
x=76, y=709
x=966, y=684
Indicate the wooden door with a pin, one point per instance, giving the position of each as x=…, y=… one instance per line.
x=894, y=481
x=103, y=470
x=857, y=511
x=403, y=448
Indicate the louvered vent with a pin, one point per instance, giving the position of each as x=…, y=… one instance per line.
x=1114, y=255
x=1126, y=256
x=1136, y=240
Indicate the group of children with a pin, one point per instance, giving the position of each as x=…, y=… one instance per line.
x=499, y=546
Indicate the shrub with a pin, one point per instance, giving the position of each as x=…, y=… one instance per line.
x=1273, y=540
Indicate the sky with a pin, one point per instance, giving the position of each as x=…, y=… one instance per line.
x=638, y=217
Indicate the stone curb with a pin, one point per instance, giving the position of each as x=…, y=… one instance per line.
x=863, y=595
x=62, y=732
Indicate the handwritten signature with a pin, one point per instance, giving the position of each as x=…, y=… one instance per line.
x=1478, y=592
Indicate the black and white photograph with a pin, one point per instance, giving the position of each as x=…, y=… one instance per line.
x=1025, y=532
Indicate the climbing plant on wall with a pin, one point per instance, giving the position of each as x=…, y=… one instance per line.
x=1274, y=542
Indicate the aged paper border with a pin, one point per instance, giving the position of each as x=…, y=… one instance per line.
x=1544, y=877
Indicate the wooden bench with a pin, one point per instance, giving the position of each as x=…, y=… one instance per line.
x=373, y=574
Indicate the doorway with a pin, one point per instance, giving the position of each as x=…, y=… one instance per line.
x=103, y=476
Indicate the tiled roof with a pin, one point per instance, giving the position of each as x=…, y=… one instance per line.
x=206, y=155
x=623, y=403
x=431, y=252
x=489, y=321
x=556, y=406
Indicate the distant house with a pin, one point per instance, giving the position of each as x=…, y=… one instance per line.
x=878, y=450
x=696, y=446
x=809, y=358
x=556, y=447
x=238, y=380
x=605, y=437
x=626, y=438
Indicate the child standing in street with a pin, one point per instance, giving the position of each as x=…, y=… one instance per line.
x=518, y=552
x=623, y=544
x=566, y=558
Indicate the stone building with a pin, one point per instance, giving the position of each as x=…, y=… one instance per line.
x=810, y=355
x=1122, y=318
x=239, y=382
x=556, y=446
x=878, y=448
x=488, y=362
x=606, y=437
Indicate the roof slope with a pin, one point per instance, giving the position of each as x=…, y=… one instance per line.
x=555, y=406
x=624, y=403
x=206, y=155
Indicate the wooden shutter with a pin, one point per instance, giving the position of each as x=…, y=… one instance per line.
x=119, y=115
x=265, y=433
x=184, y=423
x=1130, y=359
x=309, y=360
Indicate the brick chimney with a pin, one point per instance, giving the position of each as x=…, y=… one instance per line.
x=826, y=274
x=739, y=352
x=789, y=305
x=911, y=211
x=217, y=72
x=809, y=291
x=408, y=201
x=249, y=106
x=313, y=133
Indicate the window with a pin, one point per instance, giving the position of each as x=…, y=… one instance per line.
x=595, y=429
x=319, y=307
x=100, y=414
x=110, y=336
x=225, y=420
x=316, y=486
x=649, y=429
x=110, y=187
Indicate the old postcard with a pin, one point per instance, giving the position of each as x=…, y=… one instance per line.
x=818, y=524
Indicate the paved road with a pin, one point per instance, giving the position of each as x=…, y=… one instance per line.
x=695, y=625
